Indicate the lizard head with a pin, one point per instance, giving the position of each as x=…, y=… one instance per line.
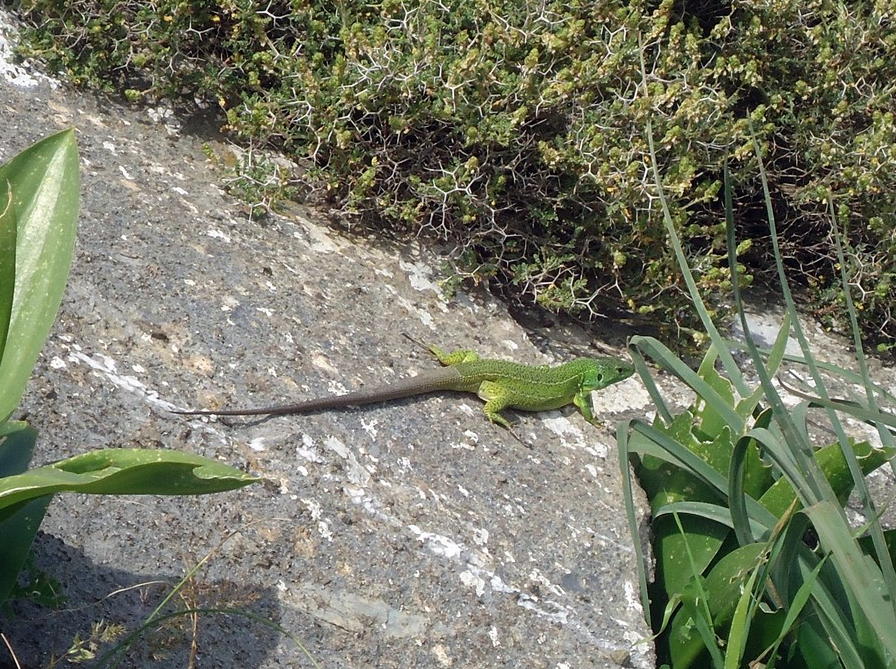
x=601, y=372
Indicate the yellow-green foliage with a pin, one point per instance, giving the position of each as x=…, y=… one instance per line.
x=517, y=129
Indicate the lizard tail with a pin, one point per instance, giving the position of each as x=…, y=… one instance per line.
x=445, y=378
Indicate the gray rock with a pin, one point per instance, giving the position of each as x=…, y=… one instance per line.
x=407, y=534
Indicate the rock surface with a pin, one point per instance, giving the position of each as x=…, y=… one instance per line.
x=408, y=534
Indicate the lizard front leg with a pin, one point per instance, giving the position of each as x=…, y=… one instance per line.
x=582, y=400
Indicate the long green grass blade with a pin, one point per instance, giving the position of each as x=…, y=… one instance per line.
x=827, y=625
x=886, y=437
x=744, y=613
x=854, y=325
x=717, y=513
x=785, y=573
x=842, y=372
x=737, y=497
x=801, y=598
x=872, y=417
x=641, y=369
x=728, y=362
x=623, y=455
x=794, y=608
x=797, y=449
x=847, y=375
x=746, y=406
x=667, y=360
x=889, y=572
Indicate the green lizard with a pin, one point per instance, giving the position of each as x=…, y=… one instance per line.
x=500, y=383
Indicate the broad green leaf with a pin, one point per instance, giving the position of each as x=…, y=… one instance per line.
x=705, y=641
x=677, y=464
x=670, y=471
x=18, y=524
x=709, y=420
x=18, y=530
x=44, y=182
x=870, y=600
x=695, y=605
x=723, y=589
x=663, y=481
x=17, y=441
x=7, y=259
x=758, y=474
x=717, y=452
x=124, y=471
x=11, y=426
x=830, y=458
x=666, y=483
x=700, y=536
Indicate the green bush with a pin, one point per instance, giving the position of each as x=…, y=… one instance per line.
x=516, y=131
x=756, y=560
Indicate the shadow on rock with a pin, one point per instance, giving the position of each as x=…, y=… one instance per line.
x=101, y=606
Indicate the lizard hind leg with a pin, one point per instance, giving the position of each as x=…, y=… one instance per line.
x=497, y=398
x=445, y=357
x=453, y=357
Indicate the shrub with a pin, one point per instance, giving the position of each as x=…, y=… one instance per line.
x=513, y=130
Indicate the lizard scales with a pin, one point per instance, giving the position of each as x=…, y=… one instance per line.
x=502, y=384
